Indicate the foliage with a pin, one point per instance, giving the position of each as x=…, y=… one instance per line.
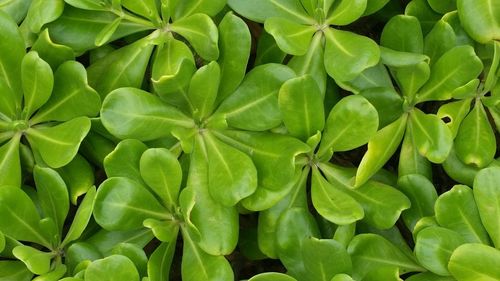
x=265, y=140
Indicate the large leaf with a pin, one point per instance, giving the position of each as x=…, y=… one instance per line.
x=17, y=10
x=347, y=54
x=59, y=144
x=380, y=148
x=231, y=173
x=134, y=113
x=14, y=270
x=123, y=204
x=254, y=105
x=72, y=96
x=291, y=37
x=36, y=261
x=403, y=33
x=350, y=124
x=260, y=10
x=201, y=32
x=448, y=73
x=487, y=197
x=10, y=162
x=53, y=195
x=318, y=255
x=472, y=262
x=11, y=43
x=456, y=209
x=480, y=19
x=422, y=195
x=475, y=143
x=112, y=268
x=124, y=67
x=20, y=219
x=301, y=106
x=234, y=47
x=38, y=81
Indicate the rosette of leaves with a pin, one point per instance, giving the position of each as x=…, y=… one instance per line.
x=461, y=241
x=305, y=29
x=424, y=69
x=35, y=228
x=43, y=115
x=145, y=192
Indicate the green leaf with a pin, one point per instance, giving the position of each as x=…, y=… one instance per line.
x=301, y=105
x=456, y=209
x=471, y=262
x=293, y=38
x=36, y=261
x=347, y=54
x=16, y=9
x=346, y=12
x=165, y=231
x=318, y=255
x=370, y=252
x=234, y=46
x=350, y=124
x=342, y=277
x=58, y=272
x=411, y=78
x=134, y=113
x=2, y=242
x=429, y=276
x=485, y=29
x=268, y=51
x=147, y=9
x=10, y=163
x=430, y=135
x=231, y=173
x=14, y=270
x=443, y=7
x=124, y=160
x=121, y=267
x=403, y=33
x=454, y=112
x=413, y=163
x=72, y=96
x=10, y=83
x=37, y=81
x=89, y=4
x=123, y=204
x=59, y=144
x=475, y=143
x=260, y=10
x=397, y=59
x=81, y=217
x=42, y=12
x=448, y=73
x=372, y=7
x=20, y=217
x=203, y=90
x=105, y=34
x=160, y=261
x=254, y=105
x=53, y=195
x=487, y=197
x=162, y=172
x=78, y=176
x=422, y=195
x=332, y=203
x=387, y=102
x=440, y=39
x=54, y=54
x=425, y=14
x=209, y=7
x=135, y=253
x=272, y=276
x=380, y=148
x=124, y=67
x=201, y=32
x=198, y=265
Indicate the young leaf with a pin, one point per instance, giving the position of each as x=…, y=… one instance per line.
x=78, y=176
x=380, y=148
x=454, y=111
x=471, y=262
x=59, y=144
x=301, y=106
x=36, y=261
x=10, y=162
x=112, y=268
x=134, y=113
x=456, y=209
x=37, y=81
x=123, y=204
x=203, y=90
x=81, y=218
x=413, y=163
x=291, y=37
x=53, y=195
x=347, y=54
x=411, y=78
x=487, y=197
x=160, y=261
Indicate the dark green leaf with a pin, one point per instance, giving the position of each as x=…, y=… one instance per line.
x=422, y=195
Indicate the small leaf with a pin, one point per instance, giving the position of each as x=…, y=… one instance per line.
x=272, y=276
x=78, y=176
x=413, y=163
x=59, y=144
x=348, y=54
x=37, y=80
x=10, y=163
x=387, y=102
x=36, y=261
x=121, y=267
x=291, y=37
x=260, y=10
x=201, y=32
x=455, y=112
x=58, y=272
x=487, y=197
x=411, y=78
x=81, y=218
x=203, y=90
x=346, y=12
x=403, y=33
x=124, y=160
x=123, y=204
x=440, y=39
x=106, y=33
x=98, y=5
x=471, y=262
x=160, y=261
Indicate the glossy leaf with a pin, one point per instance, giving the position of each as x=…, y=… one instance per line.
x=146, y=8
x=422, y=195
x=10, y=163
x=350, y=124
x=88, y=4
x=260, y=10
x=346, y=12
x=411, y=78
x=42, y=12
x=124, y=160
x=254, y=105
x=201, y=32
x=324, y=258
x=59, y=144
x=133, y=113
x=123, y=204
x=487, y=197
x=14, y=269
x=54, y=54
x=36, y=261
x=105, y=34
x=454, y=112
x=37, y=80
x=209, y=7
x=301, y=106
x=429, y=276
x=456, y=209
x=414, y=163
x=475, y=262
x=291, y=37
x=122, y=268
x=348, y=54
x=203, y=90
x=81, y=218
x=403, y=33
x=380, y=148
x=78, y=176
x=485, y=29
x=160, y=261
x=439, y=40
x=72, y=96
x=272, y=276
